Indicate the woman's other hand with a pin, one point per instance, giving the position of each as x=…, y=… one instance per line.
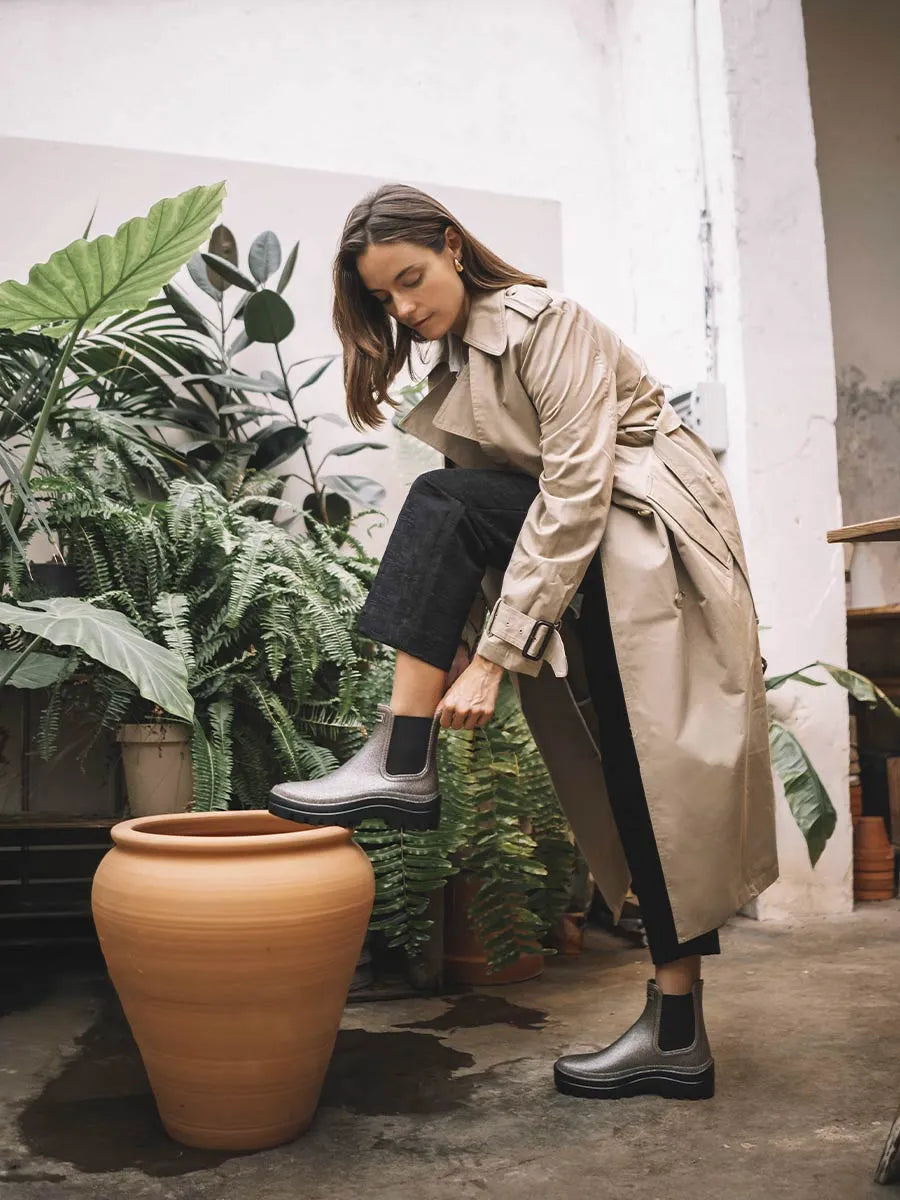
x=471, y=697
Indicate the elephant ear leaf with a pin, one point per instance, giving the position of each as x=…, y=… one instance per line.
x=86, y=282
x=805, y=792
x=159, y=674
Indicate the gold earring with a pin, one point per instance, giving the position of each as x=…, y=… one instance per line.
x=458, y=265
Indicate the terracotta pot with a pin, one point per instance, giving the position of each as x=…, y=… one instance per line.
x=870, y=833
x=465, y=958
x=231, y=939
x=855, y=802
x=159, y=777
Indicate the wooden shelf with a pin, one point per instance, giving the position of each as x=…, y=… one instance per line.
x=887, y=529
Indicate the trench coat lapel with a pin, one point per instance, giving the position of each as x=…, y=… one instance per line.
x=460, y=407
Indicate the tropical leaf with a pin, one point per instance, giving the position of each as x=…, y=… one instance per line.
x=36, y=670
x=87, y=281
x=109, y=637
x=805, y=793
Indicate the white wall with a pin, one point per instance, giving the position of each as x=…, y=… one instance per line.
x=481, y=94
x=635, y=116
x=715, y=115
x=854, y=69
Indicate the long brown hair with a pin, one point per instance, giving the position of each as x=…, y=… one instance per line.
x=374, y=350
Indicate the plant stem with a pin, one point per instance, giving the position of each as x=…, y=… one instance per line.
x=319, y=493
x=18, y=508
x=18, y=660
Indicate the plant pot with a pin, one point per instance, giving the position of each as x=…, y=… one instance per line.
x=870, y=834
x=465, y=958
x=159, y=777
x=231, y=939
x=855, y=802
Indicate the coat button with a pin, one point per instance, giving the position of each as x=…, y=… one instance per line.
x=679, y=599
x=643, y=512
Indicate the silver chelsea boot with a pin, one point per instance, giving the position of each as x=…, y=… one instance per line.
x=635, y=1065
x=361, y=787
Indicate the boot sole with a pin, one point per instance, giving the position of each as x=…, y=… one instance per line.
x=652, y=1082
x=393, y=812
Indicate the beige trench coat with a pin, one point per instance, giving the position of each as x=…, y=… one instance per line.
x=550, y=390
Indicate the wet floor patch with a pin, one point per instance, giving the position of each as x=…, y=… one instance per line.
x=392, y=1073
x=475, y=1009
x=99, y=1113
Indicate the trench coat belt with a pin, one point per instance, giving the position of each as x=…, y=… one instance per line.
x=645, y=434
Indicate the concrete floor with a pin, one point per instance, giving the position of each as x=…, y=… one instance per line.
x=453, y=1097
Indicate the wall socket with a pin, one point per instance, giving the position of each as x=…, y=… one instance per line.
x=702, y=409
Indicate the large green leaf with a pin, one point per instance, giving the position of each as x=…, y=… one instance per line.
x=109, y=637
x=37, y=670
x=88, y=281
x=859, y=686
x=804, y=790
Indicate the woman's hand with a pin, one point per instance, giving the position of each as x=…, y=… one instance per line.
x=470, y=700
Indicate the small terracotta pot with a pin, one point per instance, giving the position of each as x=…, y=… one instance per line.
x=465, y=958
x=855, y=802
x=870, y=834
x=231, y=939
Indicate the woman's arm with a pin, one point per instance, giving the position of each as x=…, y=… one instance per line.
x=568, y=371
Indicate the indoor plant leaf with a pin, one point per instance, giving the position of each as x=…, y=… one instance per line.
x=805, y=793
x=221, y=268
x=36, y=671
x=859, y=686
x=87, y=281
x=109, y=637
x=288, y=269
x=264, y=256
x=267, y=318
x=357, y=488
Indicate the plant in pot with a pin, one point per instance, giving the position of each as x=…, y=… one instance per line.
x=206, y=922
x=804, y=790
x=262, y=619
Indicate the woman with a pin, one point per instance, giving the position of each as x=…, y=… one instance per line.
x=601, y=535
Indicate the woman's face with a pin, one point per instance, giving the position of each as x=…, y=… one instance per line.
x=417, y=287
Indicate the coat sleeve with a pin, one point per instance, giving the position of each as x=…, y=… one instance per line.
x=568, y=371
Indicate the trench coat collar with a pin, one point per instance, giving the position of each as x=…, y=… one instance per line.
x=458, y=406
x=486, y=322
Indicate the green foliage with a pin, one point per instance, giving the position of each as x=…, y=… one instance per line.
x=500, y=821
x=262, y=619
x=804, y=790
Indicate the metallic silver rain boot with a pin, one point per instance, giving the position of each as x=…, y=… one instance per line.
x=634, y=1064
x=361, y=787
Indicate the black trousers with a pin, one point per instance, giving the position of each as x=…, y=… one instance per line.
x=454, y=523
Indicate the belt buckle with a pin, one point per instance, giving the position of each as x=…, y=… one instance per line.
x=550, y=625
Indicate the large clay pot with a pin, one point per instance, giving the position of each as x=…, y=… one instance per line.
x=231, y=939
x=156, y=757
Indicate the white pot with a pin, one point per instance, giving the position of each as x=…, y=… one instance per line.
x=159, y=777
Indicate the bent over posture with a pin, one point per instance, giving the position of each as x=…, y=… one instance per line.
x=584, y=539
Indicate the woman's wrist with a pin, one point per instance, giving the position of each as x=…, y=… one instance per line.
x=487, y=664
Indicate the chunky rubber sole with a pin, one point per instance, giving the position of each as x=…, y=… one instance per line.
x=399, y=814
x=652, y=1081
